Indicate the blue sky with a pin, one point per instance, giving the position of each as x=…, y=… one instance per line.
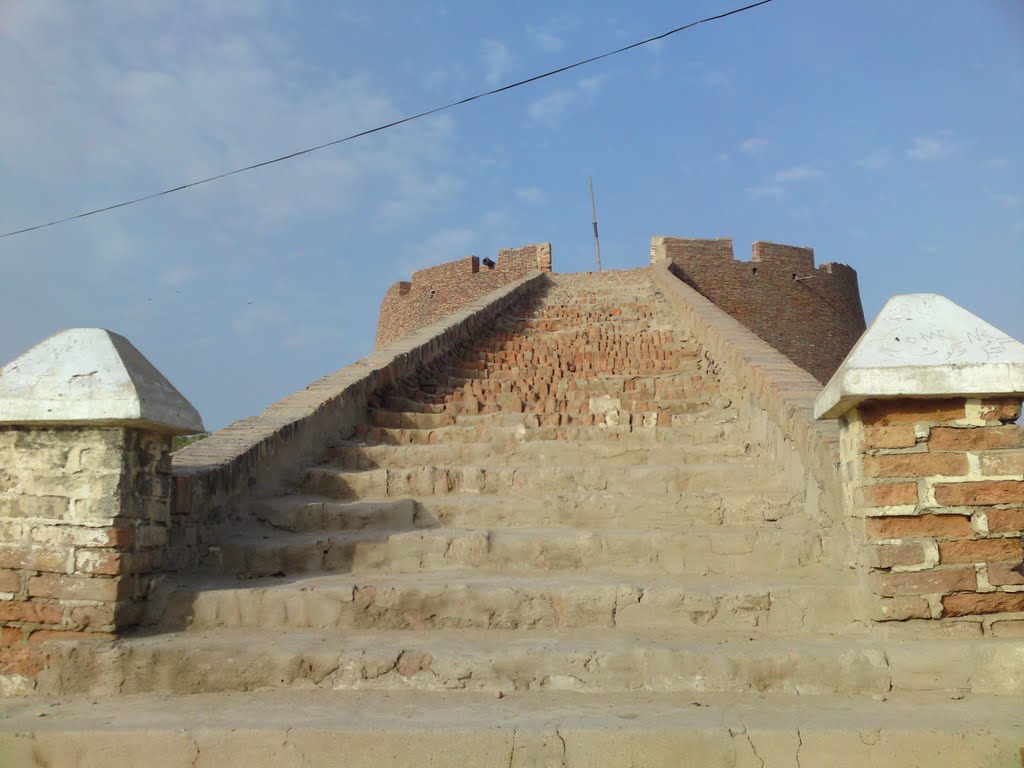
x=886, y=135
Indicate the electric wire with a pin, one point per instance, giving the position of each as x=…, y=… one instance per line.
x=386, y=126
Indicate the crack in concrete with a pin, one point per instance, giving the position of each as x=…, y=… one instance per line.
x=799, y=746
x=564, y=748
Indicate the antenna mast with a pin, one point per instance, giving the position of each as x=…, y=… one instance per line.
x=593, y=208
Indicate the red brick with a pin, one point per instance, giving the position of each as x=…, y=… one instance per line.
x=935, y=581
x=896, y=436
x=975, y=438
x=915, y=465
x=1006, y=573
x=983, y=492
x=1003, y=463
x=886, y=412
x=31, y=612
x=890, y=494
x=917, y=526
x=979, y=551
x=33, y=559
x=77, y=587
x=11, y=635
x=10, y=581
x=1006, y=520
x=20, y=660
x=890, y=555
x=1004, y=409
x=987, y=602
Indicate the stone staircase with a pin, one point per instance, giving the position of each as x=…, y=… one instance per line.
x=562, y=548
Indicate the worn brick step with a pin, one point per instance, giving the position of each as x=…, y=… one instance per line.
x=562, y=355
x=501, y=435
x=336, y=482
x=550, y=398
x=640, y=339
x=585, y=661
x=560, y=509
x=356, y=456
x=716, y=550
x=609, y=384
x=392, y=729
x=683, y=414
x=525, y=398
x=820, y=601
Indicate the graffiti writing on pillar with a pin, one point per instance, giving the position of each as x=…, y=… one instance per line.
x=980, y=344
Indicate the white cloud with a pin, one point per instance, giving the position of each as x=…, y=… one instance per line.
x=531, y=195
x=874, y=161
x=549, y=108
x=932, y=147
x=545, y=39
x=770, y=191
x=497, y=61
x=592, y=85
x=774, y=187
x=753, y=146
x=797, y=173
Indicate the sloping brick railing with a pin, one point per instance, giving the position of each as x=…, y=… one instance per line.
x=258, y=455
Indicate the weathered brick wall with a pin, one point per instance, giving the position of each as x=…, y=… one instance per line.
x=438, y=291
x=83, y=518
x=941, y=486
x=814, y=322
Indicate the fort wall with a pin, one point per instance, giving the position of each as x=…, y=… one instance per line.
x=811, y=315
x=436, y=292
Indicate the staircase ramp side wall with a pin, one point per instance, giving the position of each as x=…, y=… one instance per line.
x=779, y=396
x=260, y=454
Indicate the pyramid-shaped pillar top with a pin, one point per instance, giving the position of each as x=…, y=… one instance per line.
x=84, y=376
x=924, y=345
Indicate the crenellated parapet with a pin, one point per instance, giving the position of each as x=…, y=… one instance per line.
x=813, y=315
x=438, y=291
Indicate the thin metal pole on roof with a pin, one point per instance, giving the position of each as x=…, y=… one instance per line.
x=593, y=208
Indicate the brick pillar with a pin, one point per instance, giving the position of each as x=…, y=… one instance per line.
x=933, y=464
x=939, y=485
x=85, y=431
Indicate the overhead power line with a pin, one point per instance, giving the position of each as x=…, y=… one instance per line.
x=386, y=126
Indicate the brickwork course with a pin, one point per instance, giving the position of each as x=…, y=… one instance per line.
x=436, y=292
x=811, y=315
x=942, y=491
x=583, y=520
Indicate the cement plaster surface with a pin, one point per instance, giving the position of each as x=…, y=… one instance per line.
x=921, y=345
x=92, y=376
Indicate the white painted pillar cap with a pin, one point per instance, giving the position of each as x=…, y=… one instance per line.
x=924, y=345
x=91, y=376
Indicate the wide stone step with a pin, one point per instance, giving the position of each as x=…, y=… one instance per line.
x=391, y=729
x=567, y=509
x=753, y=551
x=356, y=456
x=476, y=601
x=336, y=482
x=584, y=661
